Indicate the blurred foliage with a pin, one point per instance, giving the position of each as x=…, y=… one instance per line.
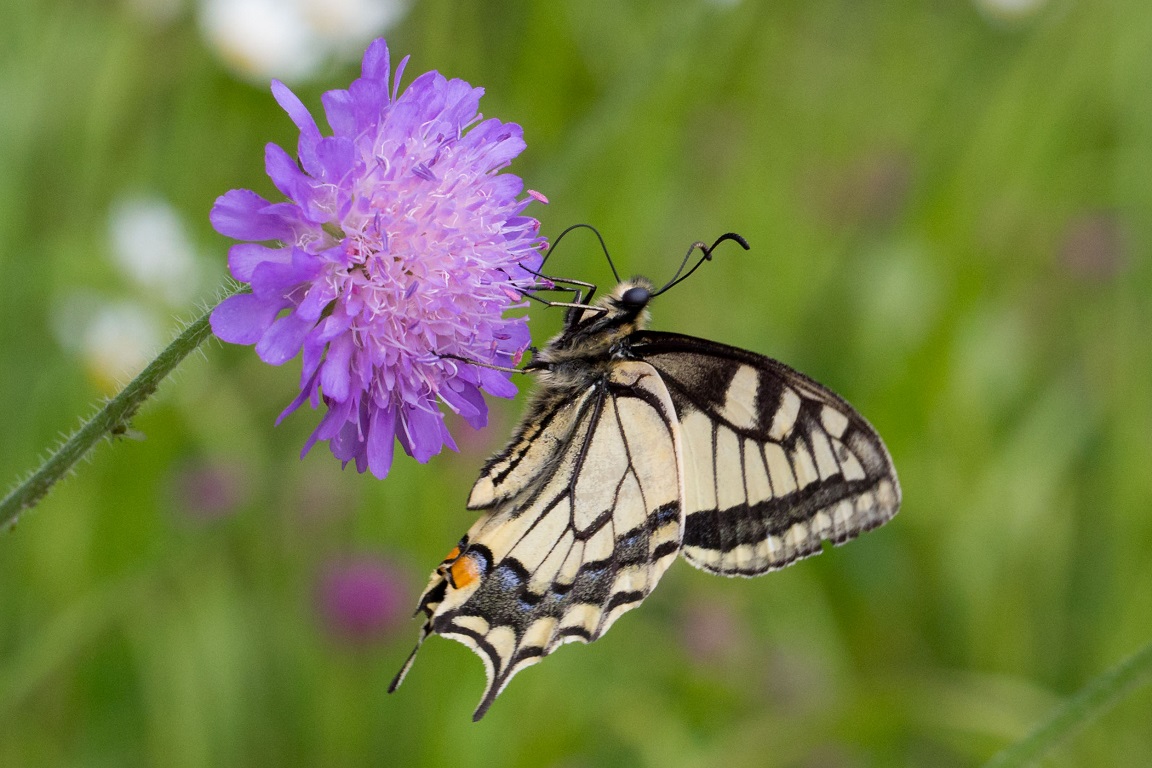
x=950, y=220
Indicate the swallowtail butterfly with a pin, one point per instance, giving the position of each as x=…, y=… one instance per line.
x=636, y=447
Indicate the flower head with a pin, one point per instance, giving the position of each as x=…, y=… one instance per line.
x=393, y=262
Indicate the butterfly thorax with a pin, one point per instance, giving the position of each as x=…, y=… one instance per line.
x=593, y=336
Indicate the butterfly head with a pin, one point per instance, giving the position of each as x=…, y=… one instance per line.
x=624, y=310
x=595, y=331
x=630, y=298
x=636, y=297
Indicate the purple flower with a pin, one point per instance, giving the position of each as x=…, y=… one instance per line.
x=399, y=251
x=362, y=598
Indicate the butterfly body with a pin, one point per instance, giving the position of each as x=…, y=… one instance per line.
x=638, y=446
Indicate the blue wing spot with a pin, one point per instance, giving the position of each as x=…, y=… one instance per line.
x=507, y=577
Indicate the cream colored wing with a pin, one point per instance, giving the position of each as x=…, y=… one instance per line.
x=774, y=463
x=579, y=532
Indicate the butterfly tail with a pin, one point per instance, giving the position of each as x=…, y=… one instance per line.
x=425, y=631
x=499, y=678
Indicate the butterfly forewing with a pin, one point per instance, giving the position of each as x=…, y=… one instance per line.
x=775, y=463
x=534, y=451
x=581, y=536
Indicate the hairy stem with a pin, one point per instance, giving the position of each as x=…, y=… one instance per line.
x=112, y=419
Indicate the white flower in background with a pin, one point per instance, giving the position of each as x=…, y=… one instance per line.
x=290, y=39
x=119, y=341
x=1010, y=10
x=151, y=246
x=114, y=339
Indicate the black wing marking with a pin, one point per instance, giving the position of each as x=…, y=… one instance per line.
x=774, y=462
x=589, y=530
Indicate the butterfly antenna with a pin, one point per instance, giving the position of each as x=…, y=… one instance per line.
x=706, y=251
x=603, y=246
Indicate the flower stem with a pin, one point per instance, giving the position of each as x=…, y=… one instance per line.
x=112, y=419
x=1090, y=702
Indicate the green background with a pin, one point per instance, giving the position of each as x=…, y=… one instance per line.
x=950, y=219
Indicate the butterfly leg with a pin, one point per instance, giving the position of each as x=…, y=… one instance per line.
x=493, y=366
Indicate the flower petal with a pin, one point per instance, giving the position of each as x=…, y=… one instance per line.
x=244, y=318
x=345, y=444
x=381, y=441
x=318, y=297
x=286, y=174
x=283, y=340
x=334, y=374
x=466, y=400
x=421, y=430
x=244, y=215
x=497, y=383
x=275, y=280
x=309, y=132
x=340, y=110
x=243, y=258
x=303, y=395
x=376, y=64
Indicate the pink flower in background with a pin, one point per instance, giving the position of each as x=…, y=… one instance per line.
x=362, y=599
x=399, y=251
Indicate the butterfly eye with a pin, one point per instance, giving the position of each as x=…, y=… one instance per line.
x=636, y=297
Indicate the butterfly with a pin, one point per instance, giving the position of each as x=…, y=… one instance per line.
x=637, y=447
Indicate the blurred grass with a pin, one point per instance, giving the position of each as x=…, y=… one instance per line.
x=950, y=220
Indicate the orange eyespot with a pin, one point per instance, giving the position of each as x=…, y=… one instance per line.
x=455, y=553
x=464, y=571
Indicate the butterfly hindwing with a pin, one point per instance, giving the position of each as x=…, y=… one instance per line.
x=775, y=463
x=571, y=537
